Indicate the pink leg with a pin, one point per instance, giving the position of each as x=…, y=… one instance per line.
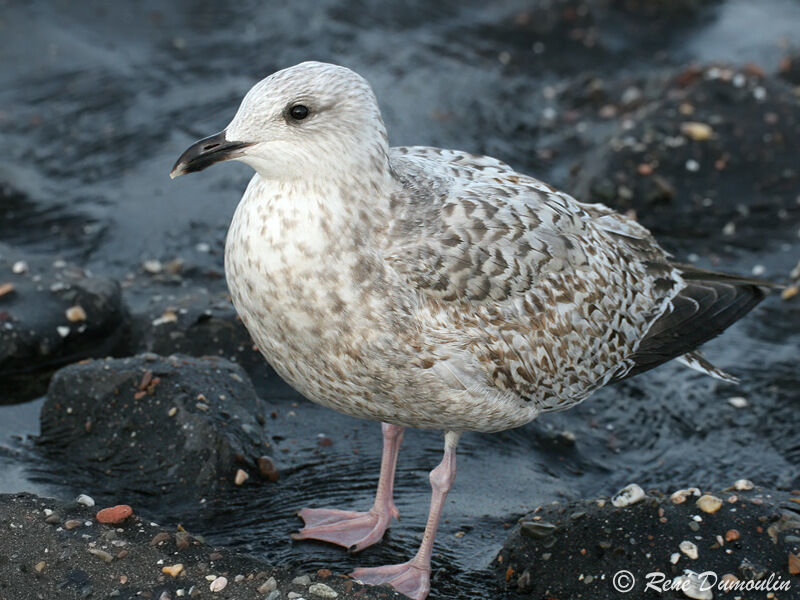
x=357, y=530
x=412, y=578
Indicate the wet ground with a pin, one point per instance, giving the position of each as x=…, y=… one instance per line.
x=96, y=104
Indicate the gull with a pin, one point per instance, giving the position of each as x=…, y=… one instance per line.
x=436, y=289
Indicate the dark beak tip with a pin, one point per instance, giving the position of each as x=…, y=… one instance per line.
x=205, y=153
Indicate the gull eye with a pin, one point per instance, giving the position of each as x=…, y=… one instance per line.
x=298, y=112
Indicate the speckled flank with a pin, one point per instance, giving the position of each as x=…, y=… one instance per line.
x=424, y=287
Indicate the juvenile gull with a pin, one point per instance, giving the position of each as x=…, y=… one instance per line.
x=434, y=288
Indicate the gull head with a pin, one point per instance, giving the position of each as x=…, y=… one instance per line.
x=310, y=120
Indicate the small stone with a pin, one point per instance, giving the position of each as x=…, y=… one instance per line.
x=268, y=586
x=628, y=495
x=322, y=590
x=537, y=529
x=40, y=566
x=241, y=477
x=169, y=316
x=274, y=595
x=182, y=540
x=152, y=266
x=794, y=564
x=692, y=165
x=6, y=288
x=218, y=584
x=737, y=402
x=173, y=570
x=19, y=267
x=159, y=538
x=689, y=549
x=75, y=314
x=743, y=485
x=172, y=411
x=215, y=556
x=85, y=500
x=787, y=294
x=267, y=468
x=62, y=330
x=114, y=514
x=72, y=524
x=709, y=504
x=302, y=580
x=732, y=535
x=693, y=586
x=101, y=554
x=294, y=596
x=697, y=131
x=52, y=519
x=679, y=497
x=674, y=557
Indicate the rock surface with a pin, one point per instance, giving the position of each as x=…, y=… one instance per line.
x=53, y=549
x=197, y=323
x=51, y=314
x=178, y=427
x=578, y=550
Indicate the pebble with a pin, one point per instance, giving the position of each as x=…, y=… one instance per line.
x=732, y=535
x=692, y=165
x=268, y=586
x=75, y=314
x=62, y=330
x=322, y=590
x=302, y=580
x=794, y=564
x=709, y=504
x=743, y=485
x=294, y=596
x=628, y=495
x=182, y=540
x=689, y=549
x=114, y=514
x=85, y=500
x=699, y=132
x=218, y=584
x=172, y=411
x=159, y=538
x=267, y=468
x=787, y=294
x=679, y=497
x=72, y=524
x=537, y=529
x=101, y=554
x=152, y=266
x=241, y=477
x=674, y=557
x=40, y=566
x=173, y=570
x=738, y=402
x=6, y=288
x=274, y=595
x=19, y=267
x=691, y=584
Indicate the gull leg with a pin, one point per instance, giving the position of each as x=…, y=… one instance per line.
x=358, y=530
x=412, y=578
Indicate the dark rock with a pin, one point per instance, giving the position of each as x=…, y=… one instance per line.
x=579, y=560
x=178, y=427
x=198, y=323
x=125, y=565
x=703, y=193
x=36, y=334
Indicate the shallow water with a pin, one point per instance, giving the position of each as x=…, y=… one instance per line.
x=95, y=105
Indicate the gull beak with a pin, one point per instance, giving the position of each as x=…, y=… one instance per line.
x=206, y=152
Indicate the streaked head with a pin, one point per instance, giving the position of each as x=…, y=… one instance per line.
x=312, y=119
